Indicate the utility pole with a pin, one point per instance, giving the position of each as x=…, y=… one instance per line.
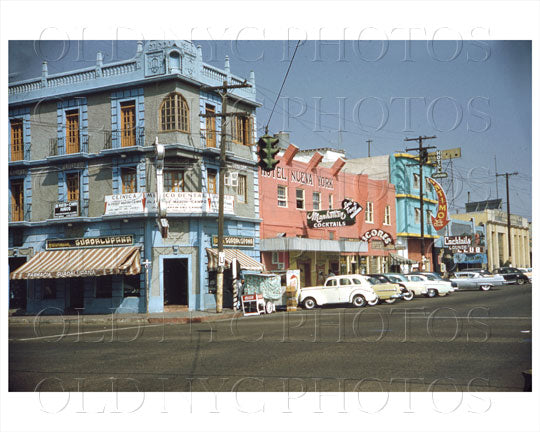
x=508, y=213
x=221, y=190
x=369, y=141
x=422, y=160
x=496, y=179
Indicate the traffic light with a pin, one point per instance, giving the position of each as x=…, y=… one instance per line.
x=267, y=150
x=424, y=156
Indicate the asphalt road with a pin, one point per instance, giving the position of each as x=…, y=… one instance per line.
x=467, y=341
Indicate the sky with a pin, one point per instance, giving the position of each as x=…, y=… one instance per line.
x=475, y=95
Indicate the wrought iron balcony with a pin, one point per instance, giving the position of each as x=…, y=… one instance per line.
x=124, y=138
x=63, y=146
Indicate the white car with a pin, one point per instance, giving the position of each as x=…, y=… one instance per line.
x=433, y=285
x=339, y=289
x=476, y=280
x=412, y=288
x=527, y=271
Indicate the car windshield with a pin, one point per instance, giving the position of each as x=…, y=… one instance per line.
x=373, y=281
x=433, y=276
x=394, y=279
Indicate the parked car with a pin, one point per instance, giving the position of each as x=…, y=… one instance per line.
x=527, y=271
x=353, y=289
x=386, y=290
x=432, y=276
x=476, y=280
x=512, y=275
x=433, y=285
x=412, y=288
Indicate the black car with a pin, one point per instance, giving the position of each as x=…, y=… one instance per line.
x=512, y=275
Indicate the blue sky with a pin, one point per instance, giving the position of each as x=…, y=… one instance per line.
x=472, y=94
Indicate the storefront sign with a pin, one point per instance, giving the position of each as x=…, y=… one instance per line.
x=441, y=220
x=298, y=176
x=89, y=242
x=383, y=235
x=176, y=202
x=464, y=244
x=334, y=218
x=234, y=241
x=66, y=209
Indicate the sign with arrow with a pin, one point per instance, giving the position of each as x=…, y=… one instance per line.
x=441, y=220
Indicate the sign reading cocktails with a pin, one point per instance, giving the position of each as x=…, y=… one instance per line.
x=335, y=217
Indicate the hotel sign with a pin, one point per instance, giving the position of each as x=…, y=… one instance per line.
x=89, y=242
x=300, y=177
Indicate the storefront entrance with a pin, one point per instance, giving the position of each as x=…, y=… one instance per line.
x=75, y=286
x=17, y=288
x=175, y=281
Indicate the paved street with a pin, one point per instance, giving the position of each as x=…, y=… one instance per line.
x=471, y=340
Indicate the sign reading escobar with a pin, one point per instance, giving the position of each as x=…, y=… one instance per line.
x=336, y=217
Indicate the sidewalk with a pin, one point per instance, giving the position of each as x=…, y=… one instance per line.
x=177, y=317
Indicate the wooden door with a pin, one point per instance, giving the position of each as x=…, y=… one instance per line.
x=128, y=124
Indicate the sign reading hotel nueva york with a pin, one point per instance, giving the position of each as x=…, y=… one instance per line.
x=300, y=177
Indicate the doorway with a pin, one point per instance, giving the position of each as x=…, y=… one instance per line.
x=76, y=293
x=17, y=287
x=175, y=282
x=305, y=273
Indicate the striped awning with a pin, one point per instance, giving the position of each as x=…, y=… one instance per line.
x=398, y=259
x=245, y=261
x=81, y=263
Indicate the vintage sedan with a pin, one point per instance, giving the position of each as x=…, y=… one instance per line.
x=433, y=285
x=339, y=289
x=411, y=288
x=386, y=290
x=512, y=275
x=527, y=271
x=475, y=280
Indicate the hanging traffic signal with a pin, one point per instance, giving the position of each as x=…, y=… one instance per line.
x=267, y=150
x=424, y=156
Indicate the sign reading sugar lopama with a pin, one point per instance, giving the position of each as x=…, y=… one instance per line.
x=85, y=242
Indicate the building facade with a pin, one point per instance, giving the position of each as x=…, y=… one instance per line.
x=496, y=232
x=83, y=183
x=305, y=224
x=401, y=170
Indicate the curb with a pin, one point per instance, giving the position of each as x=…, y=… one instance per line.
x=30, y=320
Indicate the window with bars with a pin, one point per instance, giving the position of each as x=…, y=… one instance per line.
x=210, y=127
x=300, y=199
x=17, y=200
x=241, y=130
x=212, y=185
x=174, y=114
x=241, y=191
x=72, y=131
x=282, y=196
x=17, y=140
x=316, y=201
x=128, y=125
x=129, y=180
x=387, y=220
x=173, y=181
x=369, y=212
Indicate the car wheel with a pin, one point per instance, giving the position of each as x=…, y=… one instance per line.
x=408, y=295
x=485, y=287
x=373, y=302
x=309, y=303
x=269, y=307
x=520, y=281
x=431, y=293
x=390, y=301
x=358, y=301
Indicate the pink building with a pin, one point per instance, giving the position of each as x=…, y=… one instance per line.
x=305, y=226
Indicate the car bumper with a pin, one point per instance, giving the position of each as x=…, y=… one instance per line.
x=396, y=296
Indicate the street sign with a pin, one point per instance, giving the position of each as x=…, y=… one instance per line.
x=221, y=259
x=439, y=175
x=445, y=154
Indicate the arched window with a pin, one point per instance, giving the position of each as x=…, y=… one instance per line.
x=174, y=113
